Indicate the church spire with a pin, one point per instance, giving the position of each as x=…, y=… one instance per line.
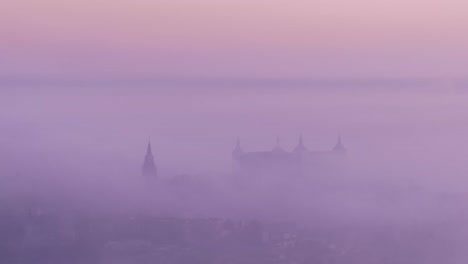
x=149, y=167
x=148, y=148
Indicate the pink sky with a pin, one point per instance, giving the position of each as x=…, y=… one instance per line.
x=255, y=38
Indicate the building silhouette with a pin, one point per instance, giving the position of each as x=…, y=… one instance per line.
x=278, y=161
x=149, y=169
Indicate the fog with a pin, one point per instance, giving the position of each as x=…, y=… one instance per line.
x=398, y=197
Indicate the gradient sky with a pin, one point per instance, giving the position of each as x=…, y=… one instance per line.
x=240, y=38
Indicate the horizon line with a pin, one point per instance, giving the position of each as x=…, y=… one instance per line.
x=230, y=81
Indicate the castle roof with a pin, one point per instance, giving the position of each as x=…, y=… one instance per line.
x=279, y=154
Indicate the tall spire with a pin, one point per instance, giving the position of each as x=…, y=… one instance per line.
x=148, y=149
x=149, y=167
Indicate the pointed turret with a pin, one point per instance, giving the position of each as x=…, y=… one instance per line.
x=300, y=146
x=237, y=152
x=278, y=147
x=149, y=168
x=339, y=147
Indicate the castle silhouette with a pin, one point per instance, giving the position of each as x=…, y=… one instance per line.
x=279, y=161
x=275, y=161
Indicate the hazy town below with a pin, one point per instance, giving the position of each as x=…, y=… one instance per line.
x=71, y=189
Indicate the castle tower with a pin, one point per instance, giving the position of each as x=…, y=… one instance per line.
x=237, y=152
x=278, y=148
x=339, y=147
x=300, y=154
x=148, y=169
x=300, y=148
